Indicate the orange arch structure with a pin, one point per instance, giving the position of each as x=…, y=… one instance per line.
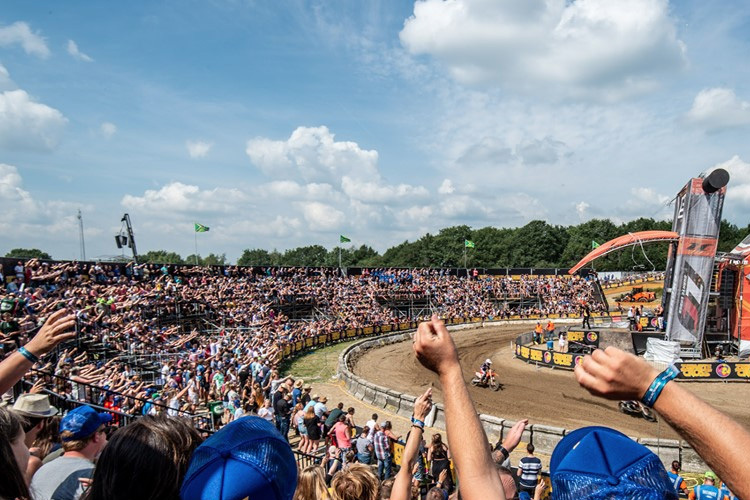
x=625, y=241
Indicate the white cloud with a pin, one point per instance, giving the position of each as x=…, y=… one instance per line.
x=26, y=124
x=446, y=187
x=584, y=46
x=198, y=149
x=718, y=108
x=738, y=189
x=24, y=217
x=108, y=129
x=582, y=210
x=312, y=154
x=5, y=82
x=20, y=33
x=649, y=196
x=76, y=53
x=322, y=217
x=179, y=198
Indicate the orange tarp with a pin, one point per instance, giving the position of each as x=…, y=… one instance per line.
x=624, y=241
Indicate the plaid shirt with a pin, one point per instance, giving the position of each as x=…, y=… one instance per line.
x=382, y=446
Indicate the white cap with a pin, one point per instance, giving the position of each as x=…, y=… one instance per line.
x=488, y=360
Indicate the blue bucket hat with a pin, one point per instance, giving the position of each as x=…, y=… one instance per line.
x=246, y=458
x=597, y=463
x=82, y=422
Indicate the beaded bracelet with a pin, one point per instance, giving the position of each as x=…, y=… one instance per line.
x=28, y=355
x=654, y=390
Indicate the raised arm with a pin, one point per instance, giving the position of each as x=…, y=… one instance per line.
x=435, y=349
x=402, y=484
x=55, y=330
x=720, y=441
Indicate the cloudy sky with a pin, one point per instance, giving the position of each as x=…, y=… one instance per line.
x=281, y=124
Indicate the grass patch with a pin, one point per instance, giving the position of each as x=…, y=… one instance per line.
x=318, y=365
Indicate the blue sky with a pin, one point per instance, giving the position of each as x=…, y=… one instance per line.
x=281, y=124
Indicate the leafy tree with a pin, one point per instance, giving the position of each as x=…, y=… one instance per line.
x=28, y=253
x=215, y=260
x=161, y=257
x=310, y=256
x=255, y=257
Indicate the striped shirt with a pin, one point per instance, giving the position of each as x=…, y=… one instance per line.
x=530, y=467
x=381, y=445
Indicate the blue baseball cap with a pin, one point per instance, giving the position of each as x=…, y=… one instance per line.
x=82, y=422
x=597, y=463
x=246, y=458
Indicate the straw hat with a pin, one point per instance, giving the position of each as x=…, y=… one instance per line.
x=298, y=383
x=34, y=405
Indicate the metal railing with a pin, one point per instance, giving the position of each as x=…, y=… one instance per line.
x=94, y=395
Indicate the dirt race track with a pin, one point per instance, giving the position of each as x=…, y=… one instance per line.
x=543, y=395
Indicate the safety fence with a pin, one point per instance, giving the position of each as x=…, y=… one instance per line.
x=585, y=340
x=302, y=345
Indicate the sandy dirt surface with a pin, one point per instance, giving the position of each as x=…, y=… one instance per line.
x=544, y=395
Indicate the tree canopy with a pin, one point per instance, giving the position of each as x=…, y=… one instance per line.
x=536, y=245
x=28, y=253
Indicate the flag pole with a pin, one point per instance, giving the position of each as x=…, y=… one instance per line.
x=196, y=245
x=467, y=269
x=339, y=257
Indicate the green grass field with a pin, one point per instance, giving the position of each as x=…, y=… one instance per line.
x=318, y=365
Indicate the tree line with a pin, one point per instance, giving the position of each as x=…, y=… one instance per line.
x=537, y=244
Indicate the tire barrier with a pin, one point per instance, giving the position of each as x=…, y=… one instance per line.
x=544, y=437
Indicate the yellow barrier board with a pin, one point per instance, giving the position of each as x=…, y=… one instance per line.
x=351, y=332
x=287, y=350
x=385, y=328
x=322, y=338
x=308, y=342
x=298, y=345
x=367, y=330
x=336, y=335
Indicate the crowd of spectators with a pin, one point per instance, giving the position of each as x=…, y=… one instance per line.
x=45, y=455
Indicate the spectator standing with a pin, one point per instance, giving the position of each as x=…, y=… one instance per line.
x=312, y=424
x=342, y=433
x=332, y=418
x=283, y=411
x=83, y=435
x=371, y=424
x=266, y=412
x=438, y=456
x=364, y=447
x=529, y=468
x=382, y=452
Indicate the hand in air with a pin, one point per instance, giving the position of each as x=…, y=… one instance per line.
x=615, y=374
x=434, y=346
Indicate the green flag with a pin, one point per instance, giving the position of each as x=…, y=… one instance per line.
x=594, y=244
x=200, y=228
x=344, y=239
x=468, y=244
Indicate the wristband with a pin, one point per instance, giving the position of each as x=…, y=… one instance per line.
x=28, y=355
x=418, y=427
x=654, y=390
x=502, y=450
x=417, y=423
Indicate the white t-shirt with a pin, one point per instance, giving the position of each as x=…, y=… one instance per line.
x=266, y=413
x=371, y=425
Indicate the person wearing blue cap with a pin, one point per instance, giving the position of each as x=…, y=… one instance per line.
x=83, y=436
x=247, y=458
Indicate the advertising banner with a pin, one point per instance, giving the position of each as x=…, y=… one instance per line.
x=714, y=371
x=697, y=221
x=586, y=337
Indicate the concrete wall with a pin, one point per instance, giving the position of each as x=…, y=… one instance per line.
x=544, y=437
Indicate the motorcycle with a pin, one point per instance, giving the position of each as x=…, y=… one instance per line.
x=490, y=380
